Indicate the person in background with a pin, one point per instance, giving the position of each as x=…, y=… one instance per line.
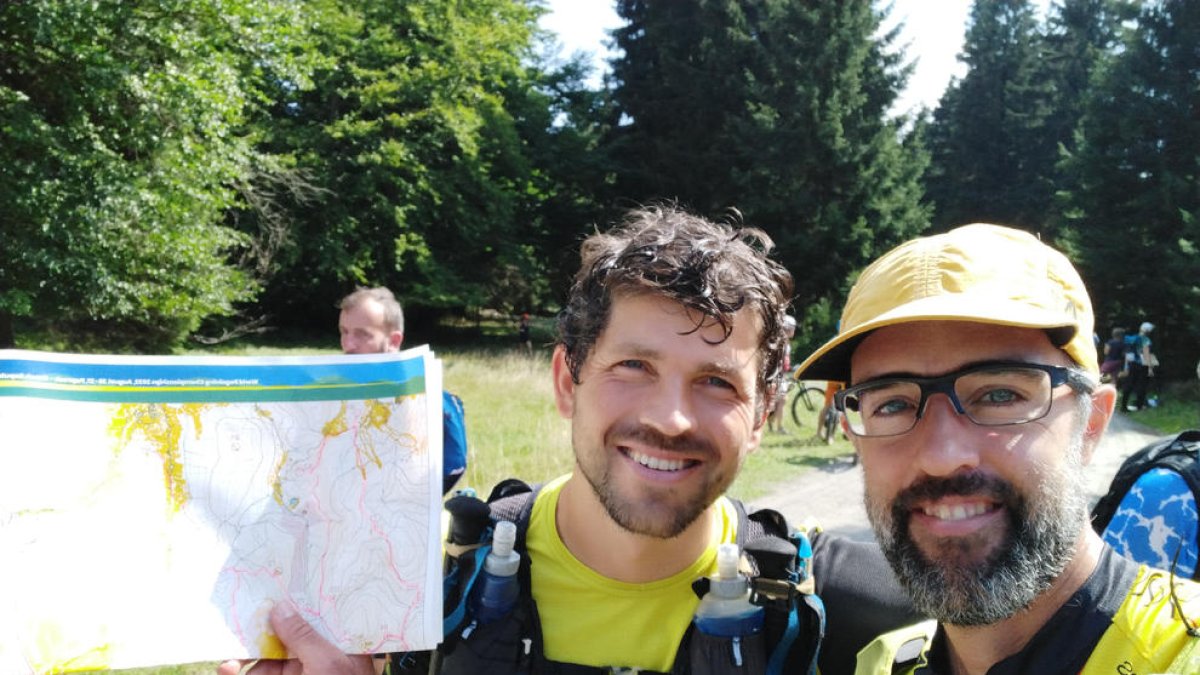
x=523, y=334
x=1114, y=356
x=371, y=321
x=1141, y=369
x=974, y=403
x=775, y=419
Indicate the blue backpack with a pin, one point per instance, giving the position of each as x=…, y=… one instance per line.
x=1149, y=513
x=454, y=441
x=1133, y=348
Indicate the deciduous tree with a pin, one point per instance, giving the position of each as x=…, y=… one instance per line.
x=122, y=143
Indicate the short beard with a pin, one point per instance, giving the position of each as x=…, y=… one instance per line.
x=657, y=518
x=1043, y=531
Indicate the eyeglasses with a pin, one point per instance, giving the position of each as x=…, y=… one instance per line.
x=989, y=394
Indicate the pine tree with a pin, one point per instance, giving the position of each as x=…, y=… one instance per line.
x=777, y=108
x=1134, y=197
x=987, y=121
x=1082, y=35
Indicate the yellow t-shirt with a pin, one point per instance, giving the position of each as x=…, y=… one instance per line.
x=592, y=620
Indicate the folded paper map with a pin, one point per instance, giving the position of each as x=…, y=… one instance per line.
x=154, y=509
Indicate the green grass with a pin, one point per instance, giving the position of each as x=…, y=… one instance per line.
x=1178, y=407
x=513, y=428
x=781, y=458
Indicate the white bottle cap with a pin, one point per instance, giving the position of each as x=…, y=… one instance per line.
x=728, y=583
x=503, y=560
x=727, y=561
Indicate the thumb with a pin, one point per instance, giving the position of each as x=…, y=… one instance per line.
x=316, y=654
x=300, y=638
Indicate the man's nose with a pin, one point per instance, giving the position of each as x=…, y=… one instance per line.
x=947, y=440
x=671, y=410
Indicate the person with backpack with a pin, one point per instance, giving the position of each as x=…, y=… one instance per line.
x=670, y=347
x=1141, y=369
x=974, y=403
x=371, y=321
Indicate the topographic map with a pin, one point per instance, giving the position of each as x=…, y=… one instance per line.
x=154, y=509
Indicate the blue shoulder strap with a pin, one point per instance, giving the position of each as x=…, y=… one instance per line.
x=812, y=602
x=455, y=617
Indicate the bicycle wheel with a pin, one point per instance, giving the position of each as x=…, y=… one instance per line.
x=806, y=401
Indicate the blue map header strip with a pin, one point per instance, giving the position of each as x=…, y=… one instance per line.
x=196, y=379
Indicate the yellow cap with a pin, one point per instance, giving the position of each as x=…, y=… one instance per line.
x=980, y=273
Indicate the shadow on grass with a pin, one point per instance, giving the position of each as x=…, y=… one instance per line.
x=809, y=450
x=836, y=464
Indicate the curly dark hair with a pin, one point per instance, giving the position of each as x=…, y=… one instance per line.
x=712, y=268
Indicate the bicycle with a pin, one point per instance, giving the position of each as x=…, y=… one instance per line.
x=806, y=401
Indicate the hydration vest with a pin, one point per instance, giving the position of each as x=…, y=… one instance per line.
x=776, y=558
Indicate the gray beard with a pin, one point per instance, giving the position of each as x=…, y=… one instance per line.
x=1042, y=535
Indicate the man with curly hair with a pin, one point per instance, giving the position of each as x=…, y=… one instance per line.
x=670, y=350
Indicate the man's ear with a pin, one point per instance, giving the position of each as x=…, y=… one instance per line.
x=564, y=383
x=764, y=409
x=395, y=340
x=1104, y=400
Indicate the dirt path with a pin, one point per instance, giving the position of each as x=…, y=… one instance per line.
x=831, y=495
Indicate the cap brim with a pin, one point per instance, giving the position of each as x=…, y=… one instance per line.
x=832, y=360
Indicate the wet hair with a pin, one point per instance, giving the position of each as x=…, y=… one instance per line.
x=711, y=268
x=393, y=315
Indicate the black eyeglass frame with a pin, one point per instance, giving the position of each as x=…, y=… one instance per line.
x=944, y=384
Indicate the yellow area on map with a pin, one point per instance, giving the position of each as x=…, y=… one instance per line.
x=376, y=417
x=277, y=483
x=54, y=651
x=161, y=425
x=337, y=425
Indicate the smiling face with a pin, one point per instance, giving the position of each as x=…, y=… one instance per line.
x=663, y=414
x=976, y=521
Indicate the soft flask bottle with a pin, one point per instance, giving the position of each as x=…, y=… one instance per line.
x=497, y=589
x=726, y=610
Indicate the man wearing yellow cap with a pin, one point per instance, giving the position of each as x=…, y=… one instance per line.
x=974, y=403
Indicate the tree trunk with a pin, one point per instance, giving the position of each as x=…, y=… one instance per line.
x=7, y=339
